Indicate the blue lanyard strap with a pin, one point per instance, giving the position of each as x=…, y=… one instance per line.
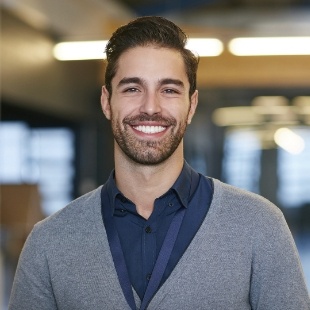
x=116, y=250
x=163, y=256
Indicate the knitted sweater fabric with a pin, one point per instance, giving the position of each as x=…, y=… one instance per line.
x=242, y=257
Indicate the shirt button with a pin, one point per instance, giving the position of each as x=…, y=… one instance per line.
x=148, y=277
x=148, y=229
x=170, y=204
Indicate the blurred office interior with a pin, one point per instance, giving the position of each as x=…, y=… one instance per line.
x=252, y=127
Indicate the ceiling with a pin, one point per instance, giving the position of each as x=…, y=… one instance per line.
x=93, y=19
x=152, y=7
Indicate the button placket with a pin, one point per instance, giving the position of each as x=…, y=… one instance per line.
x=149, y=249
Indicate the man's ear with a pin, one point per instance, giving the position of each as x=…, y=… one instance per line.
x=193, y=103
x=105, y=102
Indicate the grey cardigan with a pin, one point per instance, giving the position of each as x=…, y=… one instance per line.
x=242, y=257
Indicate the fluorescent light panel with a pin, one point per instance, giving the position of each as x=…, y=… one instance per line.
x=83, y=50
x=80, y=50
x=270, y=46
x=205, y=47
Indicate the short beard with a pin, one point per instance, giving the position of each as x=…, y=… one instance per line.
x=148, y=152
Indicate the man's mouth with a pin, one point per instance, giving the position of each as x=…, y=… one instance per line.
x=149, y=129
x=149, y=125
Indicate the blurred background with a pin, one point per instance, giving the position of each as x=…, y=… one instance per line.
x=252, y=127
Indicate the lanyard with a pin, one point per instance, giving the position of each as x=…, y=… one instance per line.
x=163, y=256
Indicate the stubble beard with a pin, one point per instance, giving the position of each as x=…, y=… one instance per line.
x=143, y=151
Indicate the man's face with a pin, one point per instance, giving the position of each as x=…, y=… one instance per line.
x=150, y=106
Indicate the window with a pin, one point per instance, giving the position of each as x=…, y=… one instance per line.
x=294, y=173
x=241, y=162
x=42, y=156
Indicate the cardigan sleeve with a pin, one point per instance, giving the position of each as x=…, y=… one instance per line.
x=277, y=281
x=32, y=287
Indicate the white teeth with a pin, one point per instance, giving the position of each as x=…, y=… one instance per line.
x=150, y=129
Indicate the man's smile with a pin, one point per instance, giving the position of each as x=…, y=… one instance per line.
x=148, y=129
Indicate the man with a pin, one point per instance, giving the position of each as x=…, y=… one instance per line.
x=158, y=235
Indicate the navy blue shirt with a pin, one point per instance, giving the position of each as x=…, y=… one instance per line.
x=142, y=239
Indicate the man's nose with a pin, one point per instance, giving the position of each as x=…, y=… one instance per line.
x=151, y=104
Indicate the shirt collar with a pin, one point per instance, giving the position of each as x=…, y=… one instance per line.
x=112, y=190
x=181, y=187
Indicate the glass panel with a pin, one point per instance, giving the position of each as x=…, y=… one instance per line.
x=294, y=173
x=42, y=156
x=241, y=162
x=13, y=151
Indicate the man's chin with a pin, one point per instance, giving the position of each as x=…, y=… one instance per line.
x=148, y=158
x=148, y=161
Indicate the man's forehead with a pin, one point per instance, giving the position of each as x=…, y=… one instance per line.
x=146, y=51
x=151, y=63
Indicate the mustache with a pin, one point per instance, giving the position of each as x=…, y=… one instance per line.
x=136, y=120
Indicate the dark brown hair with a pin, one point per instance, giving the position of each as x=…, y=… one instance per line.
x=144, y=31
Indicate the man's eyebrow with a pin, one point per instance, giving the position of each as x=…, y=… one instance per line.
x=130, y=80
x=137, y=80
x=171, y=81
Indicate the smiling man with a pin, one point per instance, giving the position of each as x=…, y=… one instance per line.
x=157, y=234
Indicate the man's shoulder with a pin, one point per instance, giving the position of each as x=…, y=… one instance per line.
x=242, y=202
x=84, y=209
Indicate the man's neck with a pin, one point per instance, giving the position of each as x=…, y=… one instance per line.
x=142, y=184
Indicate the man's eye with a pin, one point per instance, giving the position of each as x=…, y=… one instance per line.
x=170, y=91
x=131, y=90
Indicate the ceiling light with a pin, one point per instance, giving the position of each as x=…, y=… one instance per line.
x=268, y=101
x=270, y=46
x=83, y=50
x=236, y=116
x=205, y=47
x=289, y=140
x=302, y=101
x=80, y=50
